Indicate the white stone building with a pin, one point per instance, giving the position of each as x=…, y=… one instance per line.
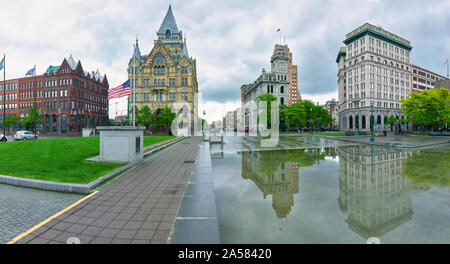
x=373, y=67
x=275, y=82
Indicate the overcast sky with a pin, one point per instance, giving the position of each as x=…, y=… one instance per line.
x=231, y=40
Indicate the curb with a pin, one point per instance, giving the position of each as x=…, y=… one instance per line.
x=83, y=188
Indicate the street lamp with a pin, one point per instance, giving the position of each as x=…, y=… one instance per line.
x=310, y=120
x=357, y=122
x=318, y=118
x=372, y=121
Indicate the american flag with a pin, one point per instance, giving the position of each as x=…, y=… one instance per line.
x=120, y=91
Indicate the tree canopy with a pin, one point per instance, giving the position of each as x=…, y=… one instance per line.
x=165, y=117
x=28, y=121
x=145, y=117
x=430, y=107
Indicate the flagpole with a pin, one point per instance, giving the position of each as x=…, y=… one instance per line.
x=35, y=130
x=133, y=92
x=4, y=97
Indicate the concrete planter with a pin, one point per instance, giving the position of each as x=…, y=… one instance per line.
x=121, y=144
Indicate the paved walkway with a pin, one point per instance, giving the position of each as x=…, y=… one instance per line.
x=137, y=207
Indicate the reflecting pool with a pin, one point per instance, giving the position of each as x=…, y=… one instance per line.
x=331, y=192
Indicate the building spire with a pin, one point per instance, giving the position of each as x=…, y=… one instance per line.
x=169, y=23
x=136, y=51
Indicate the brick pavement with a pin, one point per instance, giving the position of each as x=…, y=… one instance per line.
x=138, y=207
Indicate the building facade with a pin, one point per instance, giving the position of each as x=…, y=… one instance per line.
x=294, y=94
x=275, y=82
x=373, y=68
x=68, y=98
x=423, y=79
x=332, y=109
x=165, y=76
x=442, y=84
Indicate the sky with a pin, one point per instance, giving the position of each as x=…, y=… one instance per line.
x=231, y=40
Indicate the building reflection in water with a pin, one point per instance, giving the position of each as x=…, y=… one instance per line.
x=372, y=192
x=276, y=173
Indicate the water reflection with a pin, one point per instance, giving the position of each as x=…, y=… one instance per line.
x=334, y=194
x=276, y=173
x=372, y=192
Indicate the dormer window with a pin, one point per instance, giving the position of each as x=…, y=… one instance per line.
x=168, y=34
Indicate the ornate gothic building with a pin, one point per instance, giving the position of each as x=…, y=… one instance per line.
x=167, y=74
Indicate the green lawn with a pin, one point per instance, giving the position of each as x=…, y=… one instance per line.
x=59, y=159
x=419, y=134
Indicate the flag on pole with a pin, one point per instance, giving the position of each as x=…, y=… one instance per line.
x=120, y=91
x=2, y=64
x=31, y=72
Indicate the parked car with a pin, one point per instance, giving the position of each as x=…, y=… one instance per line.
x=24, y=135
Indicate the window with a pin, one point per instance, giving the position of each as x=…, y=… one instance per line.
x=168, y=35
x=159, y=59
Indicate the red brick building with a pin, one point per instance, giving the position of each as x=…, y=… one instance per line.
x=68, y=98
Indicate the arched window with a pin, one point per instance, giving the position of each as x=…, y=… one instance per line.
x=378, y=120
x=350, y=122
x=363, y=121
x=159, y=59
x=168, y=34
x=282, y=89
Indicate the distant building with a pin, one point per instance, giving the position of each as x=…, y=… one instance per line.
x=275, y=82
x=294, y=94
x=423, y=79
x=332, y=109
x=442, y=83
x=229, y=117
x=68, y=98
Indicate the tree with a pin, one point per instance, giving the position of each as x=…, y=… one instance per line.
x=165, y=118
x=145, y=117
x=269, y=98
x=430, y=107
x=296, y=115
x=11, y=120
x=28, y=121
x=391, y=121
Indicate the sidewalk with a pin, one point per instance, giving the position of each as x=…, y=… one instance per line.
x=137, y=207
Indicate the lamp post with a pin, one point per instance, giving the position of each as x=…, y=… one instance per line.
x=357, y=123
x=310, y=120
x=371, y=121
x=318, y=118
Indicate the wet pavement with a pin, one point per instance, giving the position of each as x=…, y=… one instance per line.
x=139, y=206
x=331, y=192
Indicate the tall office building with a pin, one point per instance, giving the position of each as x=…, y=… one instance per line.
x=373, y=67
